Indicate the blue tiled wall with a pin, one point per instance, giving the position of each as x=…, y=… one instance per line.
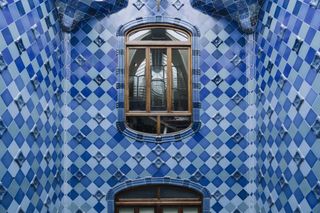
x=71, y=12
x=288, y=101
x=245, y=12
x=219, y=157
x=256, y=150
x=30, y=152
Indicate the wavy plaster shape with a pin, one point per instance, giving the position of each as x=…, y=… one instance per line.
x=71, y=12
x=244, y=12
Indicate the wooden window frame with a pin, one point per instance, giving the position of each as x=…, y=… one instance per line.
x=147, y=46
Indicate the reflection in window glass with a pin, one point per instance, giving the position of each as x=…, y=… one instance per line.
x=158, y=68
x=158, y=85
x=146, y=210
x=171, y=124
x=137, y=82
x=170, y=210
x=190, y=210
x=174, y=192
x=143, y=123
x=180, y=79
x=126, y=210
x=139, y=193
x=158, y=34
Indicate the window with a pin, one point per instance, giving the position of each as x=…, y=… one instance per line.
x=158, y=80
x=158, y=199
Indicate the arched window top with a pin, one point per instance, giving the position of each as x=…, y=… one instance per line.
x=159, y=33
x=158, y=192
x=158, y=199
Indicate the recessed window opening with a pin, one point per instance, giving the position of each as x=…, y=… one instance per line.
x=158, y=199
x=158, y=80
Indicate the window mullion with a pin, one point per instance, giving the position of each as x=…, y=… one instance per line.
x=148, y=80
x=169, y=80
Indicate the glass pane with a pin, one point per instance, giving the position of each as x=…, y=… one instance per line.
x=151, y=192
x=180, y=79
x=158, y=68
x=177, y=192
x=146, y=210
x=190, y=210
x=170, y=210
x=143, y=124
x=174, y=123
x=137, y=82
x=158, y=34
x=126, y=210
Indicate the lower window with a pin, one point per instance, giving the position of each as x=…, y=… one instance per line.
x=159, y=210
x=158, y=199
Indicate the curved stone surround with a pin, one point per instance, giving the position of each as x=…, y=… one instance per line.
x=196, y=124
x=245, y=12
x=160, y=181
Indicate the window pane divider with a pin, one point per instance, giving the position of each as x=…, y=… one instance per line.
x=148, y=81
x=169, y=80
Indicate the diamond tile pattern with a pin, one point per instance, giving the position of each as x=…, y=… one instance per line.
x=259, y=106
x=213, y=157
x=71, y=12
x=289, y=106
x=244, y=12
x=30, y=155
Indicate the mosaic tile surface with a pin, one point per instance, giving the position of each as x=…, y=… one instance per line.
x=71, y=12
x=244, y=12
x=288, y=103
x=30, y=154
x=99, y=157
x=260, y=107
